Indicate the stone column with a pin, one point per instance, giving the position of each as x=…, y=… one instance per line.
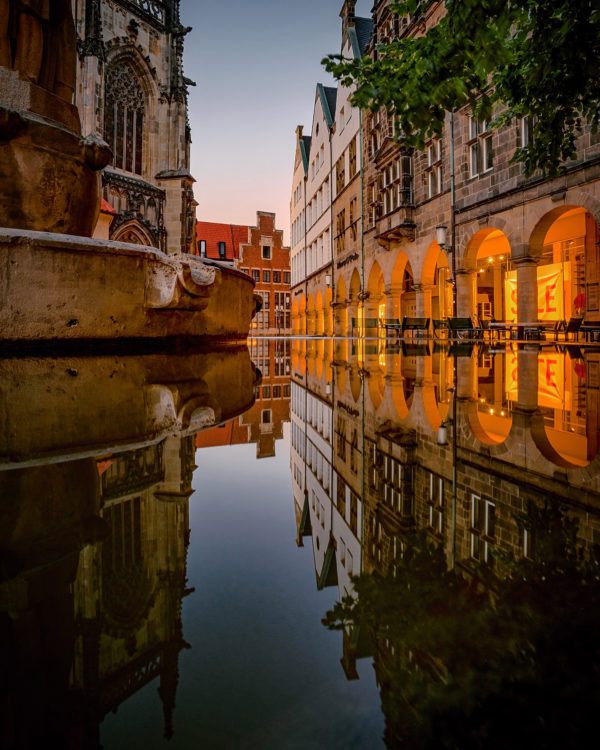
x=466, y=388
x=341, y=322
x=423, y=299
x=464, y=294
x=528, y=378
x=527, y=302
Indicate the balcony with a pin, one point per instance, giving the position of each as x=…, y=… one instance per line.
x=396, y=227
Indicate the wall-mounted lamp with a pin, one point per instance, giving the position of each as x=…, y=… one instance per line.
x=442, y=436
x=327, y=279
x=328, y=389
x=441, y=235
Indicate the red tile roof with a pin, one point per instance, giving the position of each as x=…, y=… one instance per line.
x=212, y=233
x=106, y=208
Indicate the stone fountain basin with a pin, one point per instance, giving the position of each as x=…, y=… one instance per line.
x=62, y=287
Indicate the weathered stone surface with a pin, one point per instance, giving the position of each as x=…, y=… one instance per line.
x=62, y=287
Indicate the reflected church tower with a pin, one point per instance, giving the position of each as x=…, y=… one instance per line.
x=129, y=589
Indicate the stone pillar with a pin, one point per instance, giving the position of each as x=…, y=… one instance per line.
x=180, y=210
x=527, y=302
x=465, y=304
x=423, y=299
x=352, y=314
x=527, y=378
x=466, y=388
x=341, y=322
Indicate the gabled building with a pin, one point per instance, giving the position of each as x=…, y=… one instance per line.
x=325, y=204
x=222, y=242
x=131, y=92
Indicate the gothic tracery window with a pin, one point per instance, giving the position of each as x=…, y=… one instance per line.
x=124, y=117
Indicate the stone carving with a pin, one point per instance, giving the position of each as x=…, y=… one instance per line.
x=48, y=174
x=44, y=52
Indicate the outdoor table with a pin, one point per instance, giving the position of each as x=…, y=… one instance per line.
x=529, y=329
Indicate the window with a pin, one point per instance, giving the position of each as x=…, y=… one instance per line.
x=245, y=270
x=266, y=277
x=276, y=391
x=266, y=252
x=266, y=416
x=256, y=275
x=277, y=277
x=436, y=503
x=286, y=391
x=288, y=301
x=340, y=228
x=340, y=174
x=527, y=125
x=352, y=158
x=222, y=248
x=481, y=156
x=483, y=523
x=266, y=391
x=124, y=111
x=286, y=277
x=202, y=248
x=434, y=168
x=353, y=219
x=266, y=300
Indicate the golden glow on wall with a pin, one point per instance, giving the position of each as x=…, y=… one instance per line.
x=554, y=392
x=551, y=299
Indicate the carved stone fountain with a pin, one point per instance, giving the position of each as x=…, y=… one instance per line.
x=57, y=283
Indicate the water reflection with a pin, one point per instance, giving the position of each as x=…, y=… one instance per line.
x=97, y=458
x=477, y=558
x=459, y=483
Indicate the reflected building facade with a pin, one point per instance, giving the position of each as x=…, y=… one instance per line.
x=518, y=431
x=263, y=422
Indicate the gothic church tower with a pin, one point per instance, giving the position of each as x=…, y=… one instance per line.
x=131, y=91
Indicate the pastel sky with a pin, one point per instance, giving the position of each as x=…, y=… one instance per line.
x=256, y=64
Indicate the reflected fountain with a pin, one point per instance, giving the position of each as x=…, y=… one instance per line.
x=96, y=468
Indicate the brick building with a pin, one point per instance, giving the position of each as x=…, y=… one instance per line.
x=259, y=252
x=222, y=242
x=267, y=260
x=524, y=248
x=263, y=423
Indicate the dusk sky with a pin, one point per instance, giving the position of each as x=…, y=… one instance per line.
x=256, y=64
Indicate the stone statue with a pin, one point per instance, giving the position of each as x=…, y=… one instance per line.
x=37, y=38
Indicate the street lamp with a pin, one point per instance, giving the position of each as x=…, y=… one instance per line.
x=441, y=235
x=442, y=435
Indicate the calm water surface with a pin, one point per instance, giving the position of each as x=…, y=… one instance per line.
x=365, y=545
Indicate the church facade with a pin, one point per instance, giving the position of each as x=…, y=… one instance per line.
x=132, y=93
